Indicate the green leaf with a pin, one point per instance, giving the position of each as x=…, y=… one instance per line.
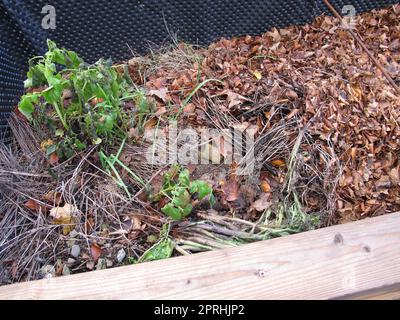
x=181, y=198
x=161, y=250
x=79, y=145
x=184, y=178
x=186, y=210
x=51, y=95
x=59, y=133
x=26, y=105
x=97, y=141
x=36, y=77
x=62, y=56
x=201, y=187
x=51, y=149
x=170, y=210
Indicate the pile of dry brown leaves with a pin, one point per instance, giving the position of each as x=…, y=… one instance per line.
x=319, y=73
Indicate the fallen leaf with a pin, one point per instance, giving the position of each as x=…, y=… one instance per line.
x=53, y=197
x=278, y=163
x=231, y=190
x=265, y=187
x=160, y=93
x=151, y=123
x=262, y=203
x=394, y=175
x=233, y=98
x=65, y=216
x=95, y=251
x=53, y=159
x=257, y=74
x=291, y=94
x=189, y=108
x=89, y=225
x=32, y=204
x=35, y=206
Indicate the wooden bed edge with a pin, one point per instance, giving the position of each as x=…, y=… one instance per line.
x=359, y=260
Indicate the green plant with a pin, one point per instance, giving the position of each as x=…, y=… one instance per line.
x=178, y=188
x=108, y=163
x=78, y=104
x=161, y=250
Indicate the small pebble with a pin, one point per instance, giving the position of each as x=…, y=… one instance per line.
x=48, y=271
x=109, y=263
x=121, y=255
x=75, y=251
x=101, y=264
x=73, y=234
x=66, y=271
x=71, y=261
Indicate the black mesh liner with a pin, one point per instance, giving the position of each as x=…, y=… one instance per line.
x=104, y=28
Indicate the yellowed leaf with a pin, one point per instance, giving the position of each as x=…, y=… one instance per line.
x=278, y=162
x=265, y=186
x=65, y=216
x=257, y=74
x=45, y=144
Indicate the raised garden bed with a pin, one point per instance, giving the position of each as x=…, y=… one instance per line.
x=350, y=261
x=302, y=133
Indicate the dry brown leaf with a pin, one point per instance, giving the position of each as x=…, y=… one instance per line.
x=95, y=251
x=394, y=175
x=160, y=93
x=262, y=203
x=278, y=163
x=32, y=204
x=151, y=123
x=65, y=216
x=233, y=98
x=231, y=190
x=265, y=186
x=53, y=159
x=189, y=108
x=53, y=197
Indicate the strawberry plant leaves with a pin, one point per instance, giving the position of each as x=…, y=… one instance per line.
x=27, y=104
x=161, y=250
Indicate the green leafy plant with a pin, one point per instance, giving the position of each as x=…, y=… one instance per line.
x=162, y=249
x=93, y=114
x=178, y=188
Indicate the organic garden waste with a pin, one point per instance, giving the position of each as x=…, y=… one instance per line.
x=191, y=149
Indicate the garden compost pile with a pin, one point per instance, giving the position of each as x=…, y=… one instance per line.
x=77, y=193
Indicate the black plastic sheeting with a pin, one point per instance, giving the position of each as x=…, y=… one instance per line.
x=105, y=28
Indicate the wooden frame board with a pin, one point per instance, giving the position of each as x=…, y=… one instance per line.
x=353, y=260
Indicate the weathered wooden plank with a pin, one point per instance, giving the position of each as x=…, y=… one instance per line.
x=391, y=292
x=321, y=264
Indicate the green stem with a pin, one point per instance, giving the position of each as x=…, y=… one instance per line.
x=61, y=115
x=119, y=180
x=137, y=178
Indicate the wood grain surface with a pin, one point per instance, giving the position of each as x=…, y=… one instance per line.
x=333, y=262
